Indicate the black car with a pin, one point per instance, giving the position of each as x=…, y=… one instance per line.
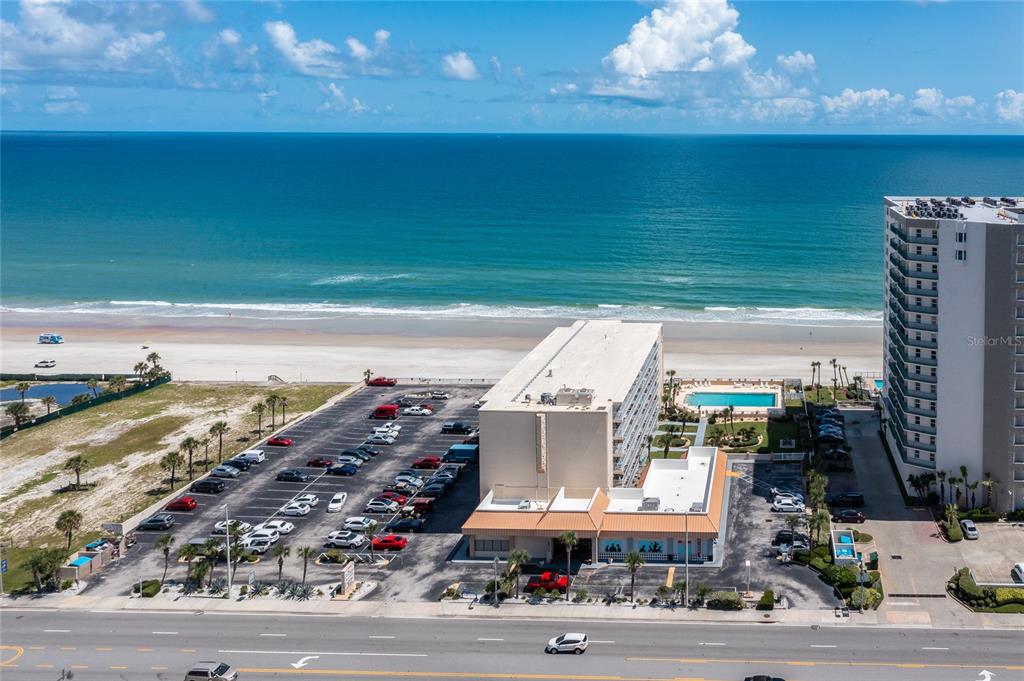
x=846, y=499
x=207, y=486
x=292, y=475
x=358, y=453
x=452, y=469
x=456, y=427
x=434, y=490
x=786, y=537
x=401, y=488
x=404, y=525
x=343, y=469
x=240, y=464
x=372, y=451
x=160, y=521
x=440, y=480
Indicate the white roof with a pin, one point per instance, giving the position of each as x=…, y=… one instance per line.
x=1000, y=214
x=677, y=484
x=594, y=363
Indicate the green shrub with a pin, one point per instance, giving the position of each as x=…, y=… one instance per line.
x=980, y=515
x=818, y=564
x=150, y=588
x=580, y=595
x=864, y=598
x=725, y=600
x=967, y=588
x=243, y=590
x=822, y=552
x=1007, y=594
x=953, y=532
x=1015, y=608
x=802, y=557
x=767, y=601
x=841, y=576
x=1015, y=516
x=861, y=537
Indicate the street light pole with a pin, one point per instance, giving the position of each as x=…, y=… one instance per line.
x=227, y=544
x=496, y=600
x=686, y=557
x=748, y=577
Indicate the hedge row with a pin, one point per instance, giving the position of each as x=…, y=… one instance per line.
x=979, y=515
x=150, y=588
x=985, y=598
x=725, y=600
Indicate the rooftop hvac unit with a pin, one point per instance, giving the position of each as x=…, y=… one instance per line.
x=697, y=507
x=524, y=505
x=650, y=504
x=547, y=398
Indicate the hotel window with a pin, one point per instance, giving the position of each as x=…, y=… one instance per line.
x=935, y=269
x=917, y=301
x=917, y=405
x=961, y=255
x=933, y=372
x=961, y=237
x=491, y=545
x=931, y=440
x=931, y=422
x=917, y=387
x=917, y=232
x=918, y=251
x=931, y=456
x=917, y=420
x=917, y=438
x=918, y=268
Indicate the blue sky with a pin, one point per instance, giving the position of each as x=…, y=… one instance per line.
x=714, y=66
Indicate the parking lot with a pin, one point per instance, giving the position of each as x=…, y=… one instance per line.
x=256, y=496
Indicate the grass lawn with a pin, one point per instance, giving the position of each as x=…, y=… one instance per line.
x=769, y=433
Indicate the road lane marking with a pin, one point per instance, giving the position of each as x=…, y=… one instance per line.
x=17, y=651
x=79, y=666
x=143, y=650
x=933, y=648
x=44, y=666
x=103, y=650
x=592, y=641
x=300, y=653
x=119, y=666
x=57, y=631
x=712, y=644
x=824, y=663
x=69, y=647
x=34, y=648
x=380, y=636
x=164, y=633
x=186, y=650
x=822, y=645
x=490, y=639
x=159, y=669
x=273, y=635
x=452, y=675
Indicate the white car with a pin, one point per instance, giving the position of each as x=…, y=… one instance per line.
x=359, y=523
x=241, y=528
x=348, y=458
x=1017, y=573
x=439, y=395
x=384, y=430
x=337, y=502
x=224, y=472
x=380, y=439
x=345, y=539
x=567, y=643
x=783, y=494
x=380, y=506
x=279, y=526
x=46, y=364
x=295, y=510
x=410, y=480
x=309, y=499
x=417, y=411
x=477, y=404
x=785, y=505
x=254, y=455
x=256, y=545
x=273, y=536
x=970, y=530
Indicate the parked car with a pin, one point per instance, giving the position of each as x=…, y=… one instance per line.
x=969, y=528
x=160, y=521
x=182, y=504
x=307, y=498
x=257, y=545
x=391, y=427
x=279, y=441
x=359, y=523
x=46, y=364
x=404, y=525
x=418, y=506
x=211, y=671
x=372, y=451
x=389, y=542
x=279, y=526
x=345, y=539
x=549, y=581
x=343, y=469
x=381, y=439
x=427, y=462
x=380, y=505
x=434, y=490
x=411, y=472
x=783, y=505
x=320, y=462
x=354, y=460
x=225, y=472
x=272, y=536
x=473, y=439
x=254, y=455
x=410, y=480
x=846, y=499
x=294, y=509
x=385, y=411
x=292, y=475
x=567, y=643
x=417, y=411
x=358, y=453
x=240, y=464
x=848, y=516
x=456, y=427
x=452, y=469
x=399, y=499
x=239, y=528
x=794, y=546
x=337, y=502
x=1017, y=572
x=207, y=486
x=439, y=395
x=784, y=494
x=402, y=489
x=788, y=537
x=382, y=381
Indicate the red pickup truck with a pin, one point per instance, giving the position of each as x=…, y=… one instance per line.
x=382, y=381
x=549, y=581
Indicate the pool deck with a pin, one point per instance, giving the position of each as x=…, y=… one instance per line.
x=690, y=387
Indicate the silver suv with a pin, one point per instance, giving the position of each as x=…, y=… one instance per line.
x=211, y=671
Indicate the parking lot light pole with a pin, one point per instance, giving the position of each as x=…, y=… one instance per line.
x=496, y=599
x=748, y=577
x=686, y=557
x=227, y=544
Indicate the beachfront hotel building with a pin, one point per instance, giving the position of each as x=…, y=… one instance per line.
x=954, y=339
x=564, y=445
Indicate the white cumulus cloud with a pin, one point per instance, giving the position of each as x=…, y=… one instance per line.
x=229, y=48
x=63, y=99
x=861, y=104
x=931, y=101
x=311, y=57
x=197, y=11
x=1010, y=106
x=335, y=101
x=798, y=62
x=687, y=36
x=459, y=66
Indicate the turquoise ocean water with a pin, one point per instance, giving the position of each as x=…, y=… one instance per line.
x=756, y=228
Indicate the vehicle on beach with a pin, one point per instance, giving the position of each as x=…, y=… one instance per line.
x=211, y=671
x=51, y=338
x=567, y=643
x=279, y=441
x=46, y=364
x=382, y=381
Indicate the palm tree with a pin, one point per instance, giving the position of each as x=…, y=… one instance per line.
x=963, y=478
x=669, y=431
x=189, y=445
x=164, y=542
x=154, y=359
x=117, y=383
x=941, y=475
x=42, y=563
x=972, y=488
x=272, y=400
x=569, y=540
x=204, y=442
x=817, y=522
x=188, y=553
x=954, y=486
x=815, y=370
x=211, y=548
x=367, y=375
x=93, y=385
x=18, y=411
x=702, y=590
x=171, y=462
x=987, y=482
x=140, y=368
x=77, y=464
x=259, y=409
x=305, y=553
x=516, y=559
x=23, y=387
x=282, y=401
x=794, y=521
x=633, y=561
x=49, y=401
x=370, y=530
x=280, y=552
x=728, y=413
x=79, y=399
x=68, y=523
x=218, y=429
x=835, y=379
x=671, y=373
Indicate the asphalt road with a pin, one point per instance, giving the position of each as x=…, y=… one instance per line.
x=124, y=645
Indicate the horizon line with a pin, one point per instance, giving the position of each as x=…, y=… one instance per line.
x=518, y=132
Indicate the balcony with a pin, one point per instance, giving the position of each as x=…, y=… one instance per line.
x=923, y=309
x=932, y=240
x=913, y=274
x=902, y=342
x=905, y=375
x=920, y=394
x=901, y=284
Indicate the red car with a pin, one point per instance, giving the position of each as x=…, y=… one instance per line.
x=848, y=516
x=383, y=381
x=319, y=462
x=427, y=462
x=399, y=499
x=389, y=542
x=549, y=581
x=181, y=504
x=472, y=440
x=280, y=442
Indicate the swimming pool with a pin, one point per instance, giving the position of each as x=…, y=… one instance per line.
x=703, y=399
x=879, y=384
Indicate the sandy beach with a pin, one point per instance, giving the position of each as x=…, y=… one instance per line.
x=338, y=349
